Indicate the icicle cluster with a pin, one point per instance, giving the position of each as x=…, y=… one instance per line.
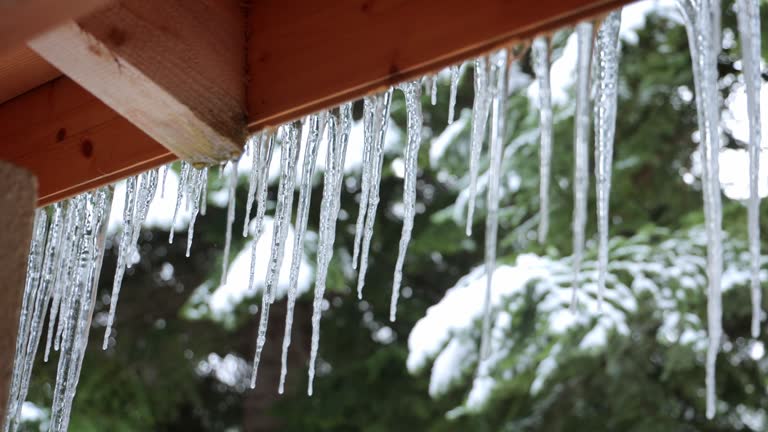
x=64, y=262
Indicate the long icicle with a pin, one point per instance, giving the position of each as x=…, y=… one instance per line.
x=581, y=149
x=541, y=64
x=699, y=26
x=412, y=92
x=289, y=154
x=339, y=126
x=492, y=217
x=607, y=59
x=316, y=127
x=232, y=198
x=383, y=103
x=123, y=254
x=369, y=134
x=480, y=109
x=748, y=16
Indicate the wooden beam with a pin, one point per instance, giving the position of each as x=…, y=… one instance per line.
x=18, y=204
x=306, y=55
x=20, y=20
x=72, y=141
x=174, y=68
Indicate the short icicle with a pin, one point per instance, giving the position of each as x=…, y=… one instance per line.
x=698, y=16
x=197, y=181
x=381, y=119
x=316, y=127
x=607, y=59
x=455, y=74
x=498, y=117
x=748, y=16
x=581, y=149
x=185, y=168
x=289, y=154
x=480, y=108
x=255, y=146
x=415, y=120
x=541, y=65
x=232, y=198
x=339, y=127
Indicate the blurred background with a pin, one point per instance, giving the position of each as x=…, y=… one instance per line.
x=180, y=355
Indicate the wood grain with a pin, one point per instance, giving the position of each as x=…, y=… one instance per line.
x=174, y=68
x=306, y=55
x=72, y=141
x=20, y=20
x=22, y=70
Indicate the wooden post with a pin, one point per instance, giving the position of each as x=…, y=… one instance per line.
x=17, y=200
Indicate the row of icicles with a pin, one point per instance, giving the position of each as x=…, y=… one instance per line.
x=69, y=237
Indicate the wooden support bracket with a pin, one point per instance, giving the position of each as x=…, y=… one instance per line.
x=174, y=68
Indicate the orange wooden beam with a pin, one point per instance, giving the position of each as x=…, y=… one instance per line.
x=306, y=55
x=22, y=20
x=72, y=141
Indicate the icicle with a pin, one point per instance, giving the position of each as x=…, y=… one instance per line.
x=454, y=89
x=541, y=64
x=124, y=253
x=316, y=126
x=339, y=126
x=166, y=167
x=698, y=16
x=581, y=149
x=369, y=136
x=289, y=155
x=144, y=197
x=185, y=168
x=197, y=179
x=255, y=144
x=76, y=206
x=748, y=15
x=413, y=106
x=381, y=119
x=433, y=92
x=204, y=199
x=492, y=218
x=480, y=109
x=230, y=219
x=607, y=59
x=62, y=273
x=93, y=216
